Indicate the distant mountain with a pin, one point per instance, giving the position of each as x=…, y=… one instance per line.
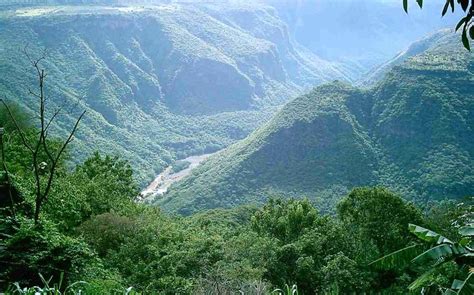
x=360, y=34
x=412, y=132
x=379, y=72
x=158, y=82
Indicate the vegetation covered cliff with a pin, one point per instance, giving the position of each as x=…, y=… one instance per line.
x=158, y=82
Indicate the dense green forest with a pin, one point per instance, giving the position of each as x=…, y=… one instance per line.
x=93, y=236
x=411, y=132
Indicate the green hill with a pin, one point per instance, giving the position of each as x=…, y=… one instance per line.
x=158, y=82
x=412, y=132
x=379, y=72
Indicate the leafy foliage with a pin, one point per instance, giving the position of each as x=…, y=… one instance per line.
x=120, y=243
x=141, y=247
x=377, y=214
x=440, y=252
x=285, y=220
x=180, y=165
x=28, y=249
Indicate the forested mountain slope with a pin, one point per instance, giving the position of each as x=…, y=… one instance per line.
x=412, y=132
x=158, y=82
x=379, y=72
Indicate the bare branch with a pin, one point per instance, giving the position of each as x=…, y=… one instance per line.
x=17, y=126
x=34, y=62
x=25, y=52
x=44, y=183
x=33, y=93
x=56, y=113
x=46, y=149
x=45, y=135
x=46, y=98
x=58, y=156
x=71, y=135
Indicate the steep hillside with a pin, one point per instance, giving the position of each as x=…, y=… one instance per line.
x=378, y=73
x=412, y=132
x=158, y=82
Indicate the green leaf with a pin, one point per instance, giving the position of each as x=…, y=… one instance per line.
x=464, y=4
x=435, y=255
x=460, y=23
x=467, y=287
x=427, y=235
x=459, y=249
x=397, y=259
x=464, y=241
x=71, y=287
x=467, y=230
x=420, y=3
x=45, y=282
x=465, y=40
x=457, y=284
x=422, y=280
x=445, y=9
x=405, y=5
x=471, y=32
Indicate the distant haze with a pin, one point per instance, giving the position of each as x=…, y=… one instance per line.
x=362, y=31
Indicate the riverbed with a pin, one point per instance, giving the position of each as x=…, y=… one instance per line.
x=165, y=179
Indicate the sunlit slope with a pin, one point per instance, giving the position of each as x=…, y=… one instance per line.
x=412, y=132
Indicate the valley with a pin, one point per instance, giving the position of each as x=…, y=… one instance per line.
x=223, y=147
x=405, y=133
x=166, y=81
x=165, y=179
x=179, y=82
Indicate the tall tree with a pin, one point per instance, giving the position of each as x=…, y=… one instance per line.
x=43, y=171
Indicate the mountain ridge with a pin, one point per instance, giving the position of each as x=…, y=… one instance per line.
x=411, y=132
x=159, y=82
